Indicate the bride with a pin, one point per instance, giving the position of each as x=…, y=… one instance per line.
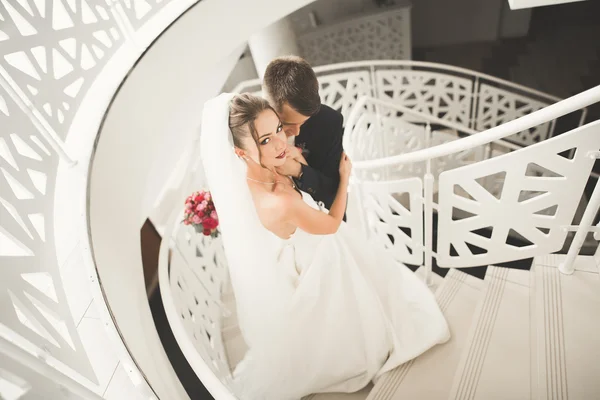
x=320, y=308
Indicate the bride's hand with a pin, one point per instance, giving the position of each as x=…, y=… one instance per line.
x=345, y=167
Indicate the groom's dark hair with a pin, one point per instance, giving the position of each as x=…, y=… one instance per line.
x=290, y=79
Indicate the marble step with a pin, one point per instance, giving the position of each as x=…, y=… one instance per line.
x=566, y=325
x=496, y=363
x=458, y=296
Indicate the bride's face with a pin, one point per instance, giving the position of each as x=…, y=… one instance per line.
x=270, y=138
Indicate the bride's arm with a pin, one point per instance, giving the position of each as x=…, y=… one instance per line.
x=297, y=212
x=314, y=221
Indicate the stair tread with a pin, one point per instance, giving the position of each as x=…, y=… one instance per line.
x=566, y=326
x=360, y=395
x=458, y=295
x=497, y=359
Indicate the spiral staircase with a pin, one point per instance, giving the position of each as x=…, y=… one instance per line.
x=455, y=172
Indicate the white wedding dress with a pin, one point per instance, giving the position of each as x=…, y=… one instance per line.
x=350, y=314
x=319, y=313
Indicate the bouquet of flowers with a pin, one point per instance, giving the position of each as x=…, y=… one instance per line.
x=201, y=214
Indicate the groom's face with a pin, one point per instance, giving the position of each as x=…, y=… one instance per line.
x=292, y=120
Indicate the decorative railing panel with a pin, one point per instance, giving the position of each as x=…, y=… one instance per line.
x=497, y=106
x=542, y=186
x=32, y=297
x=51, y=53
x=341, y=91
x=206, y=258
x=394, y=213
x=441, y=95
x=496, y=201
x=379, y=36
x=457, y=95
x=139, y=12
x=199, y=311
x=54, y=50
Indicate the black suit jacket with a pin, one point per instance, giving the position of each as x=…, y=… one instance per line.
x=321, y=140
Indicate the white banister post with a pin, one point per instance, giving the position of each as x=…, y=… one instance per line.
x=428, y=208
x=277, y=39
x=584, y=226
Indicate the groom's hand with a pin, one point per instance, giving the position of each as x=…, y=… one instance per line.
x=291, y=167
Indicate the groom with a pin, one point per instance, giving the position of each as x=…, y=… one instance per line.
x=291, y=86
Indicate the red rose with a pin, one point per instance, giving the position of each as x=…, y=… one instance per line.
x=199, y=198
x=209, y=223
x=206, y=232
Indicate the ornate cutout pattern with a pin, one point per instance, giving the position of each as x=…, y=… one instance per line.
x=21, y=381
x=443, y=96
x=31, y=293
x=205, y=257
x=394, y=212
x=382, y=36
x=138, y=12
x=497, y=106
x=200, y=313
x=53, y=50
x=397, y=136
x=341, y=91
x=530, y=203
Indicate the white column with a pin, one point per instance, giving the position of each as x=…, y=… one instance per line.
x=273, y=41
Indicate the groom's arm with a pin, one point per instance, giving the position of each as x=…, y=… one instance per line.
x=322, y=184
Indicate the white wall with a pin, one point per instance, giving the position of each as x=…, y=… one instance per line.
x=148, y=125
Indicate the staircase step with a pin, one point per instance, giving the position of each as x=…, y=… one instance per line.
x=496, y=362
x=458, y=296
x=360, y=395
x=566, y=328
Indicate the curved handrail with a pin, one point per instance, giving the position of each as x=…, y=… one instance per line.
x=409, y=63
x=544, y=115
x=406, y=110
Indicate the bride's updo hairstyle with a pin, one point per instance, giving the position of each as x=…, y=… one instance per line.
x=243, y=112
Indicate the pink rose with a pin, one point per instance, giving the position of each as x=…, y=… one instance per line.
x=213, y=215
x=199, y=207
x=207, y=197
x=197, y=220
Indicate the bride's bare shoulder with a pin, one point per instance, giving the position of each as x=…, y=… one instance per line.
x=277, y=202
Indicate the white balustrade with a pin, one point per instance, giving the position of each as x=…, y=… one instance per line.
x=463, y=97
x=379, y=35
x=51, y=55
x=193, y=275
x=496, y=202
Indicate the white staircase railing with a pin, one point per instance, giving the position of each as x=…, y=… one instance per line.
x=468, y=98
x=484, y=203
x=379, y=34
x=192, y=276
